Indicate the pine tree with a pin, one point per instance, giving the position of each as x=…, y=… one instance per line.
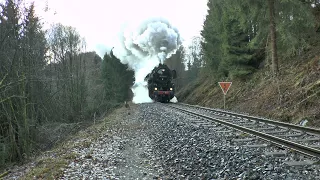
x=238, y=58
x=117, y=79
x=211, y=34
x=226, y=47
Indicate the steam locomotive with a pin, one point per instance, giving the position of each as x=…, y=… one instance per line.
x=160, y=86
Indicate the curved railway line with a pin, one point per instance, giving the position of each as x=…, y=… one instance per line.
x=297, y=138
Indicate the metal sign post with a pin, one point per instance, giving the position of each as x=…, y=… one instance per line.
x=225, y=87
x=224, y=101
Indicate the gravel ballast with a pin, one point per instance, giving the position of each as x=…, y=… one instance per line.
x=168, y=145
x=188, y=151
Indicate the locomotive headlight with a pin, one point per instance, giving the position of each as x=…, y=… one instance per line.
x=170, y=89
x=155, y=88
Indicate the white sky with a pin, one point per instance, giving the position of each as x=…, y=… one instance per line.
x=99, y=21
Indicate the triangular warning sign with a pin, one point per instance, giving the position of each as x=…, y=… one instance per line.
x=225, y=86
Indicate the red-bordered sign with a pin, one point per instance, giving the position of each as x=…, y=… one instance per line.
x=225, y=86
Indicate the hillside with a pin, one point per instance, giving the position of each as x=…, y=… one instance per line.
x=294, y=98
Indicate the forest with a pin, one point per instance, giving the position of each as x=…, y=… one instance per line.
x=239, y=36
x=49, y=81
x=50, y=86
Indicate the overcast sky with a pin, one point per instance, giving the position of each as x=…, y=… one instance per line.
x=100, y=21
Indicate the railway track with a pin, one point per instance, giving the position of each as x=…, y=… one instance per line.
x=301, y=139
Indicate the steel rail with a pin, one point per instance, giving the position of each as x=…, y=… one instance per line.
x=278, y=123
x=309, y=151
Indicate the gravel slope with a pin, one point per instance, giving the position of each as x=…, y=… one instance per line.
x=121, y=152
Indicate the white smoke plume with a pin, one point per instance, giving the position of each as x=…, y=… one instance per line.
x=143, y=47
x=174, y=100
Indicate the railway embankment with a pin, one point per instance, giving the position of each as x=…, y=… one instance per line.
x=293, y=97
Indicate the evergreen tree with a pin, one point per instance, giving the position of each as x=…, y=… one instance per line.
x=117, y=79
x=238, y=58
x=211, y=33
x=226, y=45
x=176, y=62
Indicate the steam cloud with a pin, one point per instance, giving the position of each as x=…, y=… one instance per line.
x=144, y=47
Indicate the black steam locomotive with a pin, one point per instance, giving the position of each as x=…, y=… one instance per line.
x=160, y=86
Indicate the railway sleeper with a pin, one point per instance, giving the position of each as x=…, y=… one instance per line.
x=291, y=135
x=226, y=131
x=256, y=145
x=267, y=128
x=245, y=122
x=276, y=153
x=219, y=128
x=315, y=146
x=243, y=139
x=300, y=163
x=250, y=125
x=307, y=139
x=279, y=131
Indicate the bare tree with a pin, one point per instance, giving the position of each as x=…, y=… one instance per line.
x=194, y=57
x=66, y=46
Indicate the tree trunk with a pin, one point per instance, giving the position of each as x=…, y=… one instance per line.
x=275, y=67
